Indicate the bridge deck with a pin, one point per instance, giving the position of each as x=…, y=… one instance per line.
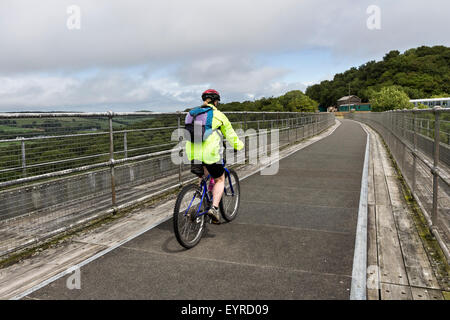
x=293, y=239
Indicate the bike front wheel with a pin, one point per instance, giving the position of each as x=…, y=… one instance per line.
x=187, y=225
x=229, y=204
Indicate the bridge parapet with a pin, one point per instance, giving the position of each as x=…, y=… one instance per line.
x=58, y=170
x=419, y=141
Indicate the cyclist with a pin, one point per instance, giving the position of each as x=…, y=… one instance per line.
x=208, y=155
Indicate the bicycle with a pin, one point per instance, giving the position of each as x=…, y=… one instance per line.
x=194, y=201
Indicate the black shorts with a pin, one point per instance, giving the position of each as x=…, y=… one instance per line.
x=216, y=170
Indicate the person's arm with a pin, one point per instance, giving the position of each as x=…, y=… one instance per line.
x=228, y=132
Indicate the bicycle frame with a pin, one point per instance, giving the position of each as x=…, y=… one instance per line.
x=205, y=193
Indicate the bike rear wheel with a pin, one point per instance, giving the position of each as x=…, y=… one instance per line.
x=229, y=204
x=188, y=228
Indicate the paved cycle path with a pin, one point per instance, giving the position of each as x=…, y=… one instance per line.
x=293, y=239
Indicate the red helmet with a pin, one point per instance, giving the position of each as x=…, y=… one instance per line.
x=211, y=94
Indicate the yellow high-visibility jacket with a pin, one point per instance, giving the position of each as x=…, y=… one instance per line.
x=209, y=150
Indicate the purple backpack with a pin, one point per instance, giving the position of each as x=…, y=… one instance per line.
x=198, y=124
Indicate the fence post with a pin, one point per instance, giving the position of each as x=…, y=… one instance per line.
x=316, y=119
x=264, y=121
x=278, y=119
x=181, y=152
x=125, y=145
x=24, y=159
x=391, y=114
x=288, y=127
x=246, y=139
x=404, y=123
x=415, y=151
x=305, y=124
x=111, y=159
x=301, y=124
x=435, y=165
x=306, y=127
x=316, y=122
x=245, y=120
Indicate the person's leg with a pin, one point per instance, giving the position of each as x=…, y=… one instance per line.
x=198, y=170
x=217, y=173
x=218, y=190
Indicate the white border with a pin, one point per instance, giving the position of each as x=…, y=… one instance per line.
x=359, y=275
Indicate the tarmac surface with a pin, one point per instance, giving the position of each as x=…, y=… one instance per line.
x=293, y=238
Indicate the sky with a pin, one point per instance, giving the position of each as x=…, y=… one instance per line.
x=135, y=55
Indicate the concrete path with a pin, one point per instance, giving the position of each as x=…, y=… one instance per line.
x=293, y=239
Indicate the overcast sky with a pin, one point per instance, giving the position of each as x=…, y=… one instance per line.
x=161, y=55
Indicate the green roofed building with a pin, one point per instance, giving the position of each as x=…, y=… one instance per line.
x=356, y=107
x=348, y=103
x=345, y=104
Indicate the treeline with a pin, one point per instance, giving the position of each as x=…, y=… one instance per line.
x=293, y=101
x=38, y=127
x=421, y=73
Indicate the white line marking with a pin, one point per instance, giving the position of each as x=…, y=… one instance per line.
x=102, y=253
x=358, y=288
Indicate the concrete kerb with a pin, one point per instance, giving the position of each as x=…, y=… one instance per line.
x=359, y=279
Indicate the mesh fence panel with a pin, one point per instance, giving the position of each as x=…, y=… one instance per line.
x=421, y=150
x=443, y=217
x=58, y=171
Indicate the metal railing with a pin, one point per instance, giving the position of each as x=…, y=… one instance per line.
x=419, y=143
x=59, y=170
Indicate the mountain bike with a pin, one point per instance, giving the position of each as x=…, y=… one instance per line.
x=194, y=201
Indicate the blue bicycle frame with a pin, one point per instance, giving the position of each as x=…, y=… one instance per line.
x=205, y=194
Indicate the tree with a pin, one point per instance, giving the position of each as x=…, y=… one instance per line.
x=275, y=106
x=442, y=95
x=292, y=101
x=422, y=106
x=391, y=54
x=389, y=98
x=421, y=72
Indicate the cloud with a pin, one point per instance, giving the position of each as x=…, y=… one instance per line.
x=164, y=53
x=115, y=34
x=104, y=90
x=238, y=74
x=125, y=90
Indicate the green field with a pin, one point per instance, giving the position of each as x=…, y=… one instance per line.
x=65, y=147
x=10, y=128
